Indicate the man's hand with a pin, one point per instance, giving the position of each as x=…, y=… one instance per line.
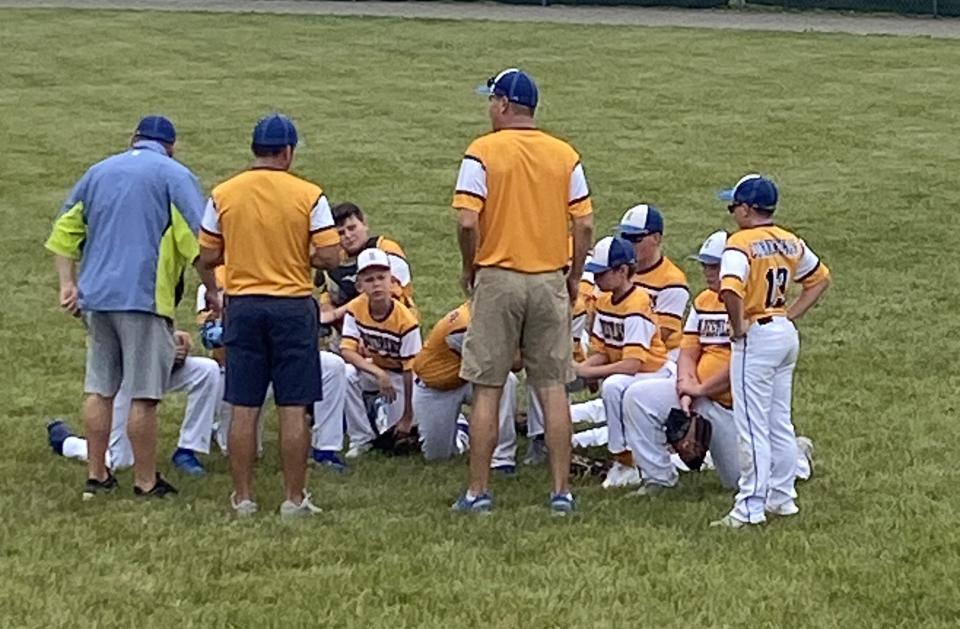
x=387, y=392
x=467, y=277
x=69, y=297
x=183, y=344
x=573, y=288
x=213, y=304
x=690, y=388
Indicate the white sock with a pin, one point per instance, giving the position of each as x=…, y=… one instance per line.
x=75, y=448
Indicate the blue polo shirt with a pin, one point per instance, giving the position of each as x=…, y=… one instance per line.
x=132, y=222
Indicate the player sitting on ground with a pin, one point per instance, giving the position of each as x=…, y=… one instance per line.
x=439, y=393
x=381, y=327
x=703, y=372
x=199, y=377
x=625, y=346
x=338, y=287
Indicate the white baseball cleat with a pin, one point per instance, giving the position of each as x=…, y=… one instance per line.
x=621, y=475
x=805, y=446
x=730, y=522
x=245, y=508
x=649, y=490
x=357, y=450
x=787, y=508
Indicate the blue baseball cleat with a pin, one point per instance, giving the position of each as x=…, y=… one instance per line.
x=330, y=460
x=187, y=463
x=562, y=504
x=57, y=433
x=480, y=505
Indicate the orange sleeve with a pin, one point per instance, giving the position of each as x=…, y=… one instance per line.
x=819, y=274
x=210, y=241
x=690, y=340
x=733, y=284
x=351, y=344
x=325, y=237
x=635, y=351
x=583, y=207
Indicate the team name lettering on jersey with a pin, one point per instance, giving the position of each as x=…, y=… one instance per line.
x=775, y=247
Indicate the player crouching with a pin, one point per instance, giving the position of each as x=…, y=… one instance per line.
x=439, y=393
x=628, y=355
x=379, y=327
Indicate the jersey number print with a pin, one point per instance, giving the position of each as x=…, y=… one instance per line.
x=777, y=278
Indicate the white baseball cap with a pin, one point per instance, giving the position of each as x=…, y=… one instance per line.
x=712, y=248
x=373, y=258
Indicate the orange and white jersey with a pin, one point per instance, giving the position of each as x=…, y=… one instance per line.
x=393, y=341
x=666, y=285
x=581, y=314
x=627, y=329
x=708, y=328
x=759, y=263
x=438, y=363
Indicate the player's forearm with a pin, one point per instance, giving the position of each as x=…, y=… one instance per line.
x=467, y=236
x=408, y=393
x=325, y=258
x=734, y=306
x=206, y=272
x=687, y=364
x=362, y=364
x=808, y=297
x=66, y=270
x=582, y=241
x=627, y=366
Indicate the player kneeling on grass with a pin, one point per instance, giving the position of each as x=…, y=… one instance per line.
x=439, y=393
x=379, y=327
x=199, y=377
x=629, y=357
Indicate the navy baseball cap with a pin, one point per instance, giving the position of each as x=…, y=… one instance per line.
x=516, y=85
x=275, y=130
x=157, y=128
x=609, y=253
x=754, y=190
x=641, y=220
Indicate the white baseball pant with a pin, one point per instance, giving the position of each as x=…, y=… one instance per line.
x=590, y=412
x=359, y=428
x=200, y=378
x=646, y=402
x=436, y=413
x=761, y=377
x=724, y=444
x=328, y=412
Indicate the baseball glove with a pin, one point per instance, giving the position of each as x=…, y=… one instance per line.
x=689, y=436
x=584, y=467
x=394, y=443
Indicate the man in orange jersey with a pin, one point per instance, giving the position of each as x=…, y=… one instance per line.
x=439, y=393
x=703, y=372
x=520, y=193
x=380, y=339
x=758, y=264
x=268, y=227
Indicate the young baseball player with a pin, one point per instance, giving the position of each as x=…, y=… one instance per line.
x=199, y=377
x=625, y=345
x=439, y=393
x=381, y=337
x=757, y=266
x=703, y=371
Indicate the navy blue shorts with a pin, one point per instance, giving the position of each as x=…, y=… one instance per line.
x=271, y=339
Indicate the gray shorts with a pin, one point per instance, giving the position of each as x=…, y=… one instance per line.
x=135, y=348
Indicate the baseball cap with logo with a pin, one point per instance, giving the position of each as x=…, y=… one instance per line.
x=712, y=248
x=373, y=258
x=754, y=190
x=156, y=127
x=609, y=253
x=275, y=130
x=516, y=85
x=641, y=220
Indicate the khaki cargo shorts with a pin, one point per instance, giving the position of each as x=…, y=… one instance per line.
x=511, y=310
x=135, y=348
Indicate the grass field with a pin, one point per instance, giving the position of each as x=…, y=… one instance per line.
x=861, y=133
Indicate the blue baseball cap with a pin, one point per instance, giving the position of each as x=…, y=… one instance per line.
x=641, y=220
x=275, y=130
x=157, y=128
x=609, y=253
x=516, y=85
x=754, y=190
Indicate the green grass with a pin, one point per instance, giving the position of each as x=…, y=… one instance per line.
x=861, y=133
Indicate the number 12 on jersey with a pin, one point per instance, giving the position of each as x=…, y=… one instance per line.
x=777, y=278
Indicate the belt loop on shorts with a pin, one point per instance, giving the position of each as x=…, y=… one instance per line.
x=765, y=320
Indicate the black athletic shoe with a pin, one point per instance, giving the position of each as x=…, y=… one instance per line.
x=94, y=486
x=161, y=489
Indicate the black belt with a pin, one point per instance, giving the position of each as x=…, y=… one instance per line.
x=764, y=320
